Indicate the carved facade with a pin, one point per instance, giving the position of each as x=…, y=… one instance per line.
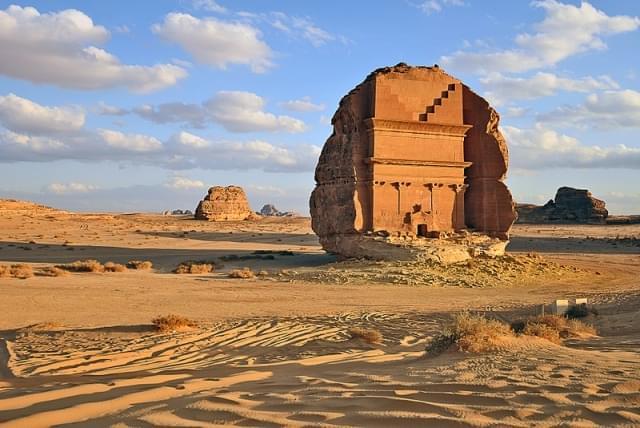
x=414, y=152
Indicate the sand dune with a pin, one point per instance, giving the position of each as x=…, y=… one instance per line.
x=79, y=350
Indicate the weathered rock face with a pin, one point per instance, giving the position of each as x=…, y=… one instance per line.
x=570, y=206
x=269, y=210
x=224, y=203
x=413, y=153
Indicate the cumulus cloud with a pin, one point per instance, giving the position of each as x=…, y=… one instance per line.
x=501, y=88
x=183, y=183
x=180, y=152
x=607, y=110
x=236, y=111
x=22, y=115
x=302, y=105
x=565, y=31
x=433, y=6
x=188, y=140
x=130, y=142
x=542, y=148
x=239, y=111
x=70, y=188
x=58, y=48
x=216, y=42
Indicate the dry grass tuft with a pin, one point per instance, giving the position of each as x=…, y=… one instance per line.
x=114, y=267
x=244, y=273
x=88, y=265
x=194, y=267
x=369, y=335
x=51, y=271
x=172, y=323
x=20, y=271
x=139, y=265
x=555, y=328
x=472, y=333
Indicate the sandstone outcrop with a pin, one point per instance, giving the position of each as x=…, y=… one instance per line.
x=223, y=204
x=414, y=154
x=269, y=210
x=569, y=206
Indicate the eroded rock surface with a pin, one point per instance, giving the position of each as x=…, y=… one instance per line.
x=414, y=154
x=224, y=203
x=569, y=206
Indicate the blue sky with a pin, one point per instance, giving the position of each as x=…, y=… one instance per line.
x=141, y=106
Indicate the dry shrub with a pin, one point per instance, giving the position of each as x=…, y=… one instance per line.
x=51, y=271
x=554, y=328
x=172, y=323
x=369, y=335
x=580, y=311
x=244, y=273
x=472, y=333
x=20, y=271
x=139, y=265
x=543, y=331
x=194, y=267
x=114, y=267
x=88, y=265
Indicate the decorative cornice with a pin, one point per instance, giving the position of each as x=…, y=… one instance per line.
x=415, y=127
x=411, y=162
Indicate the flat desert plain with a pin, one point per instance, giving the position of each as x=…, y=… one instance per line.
x=279, y=349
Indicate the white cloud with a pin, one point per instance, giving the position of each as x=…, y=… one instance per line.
x=433, y=6
x=70, y=188
x=303, y=105
x=58, y=48
x=239, y=111
x=296, y=27
x=607, y=110
x=22, y=115
x=130, y=142
x=193, y=114
x=236, y=111
x=501, y=89
x=215, y=42
x=565, y=31
x=16, y=142
x=183, y=183
x=105, y=109
x=209, y=6
x=188, y=140
x=542, y=148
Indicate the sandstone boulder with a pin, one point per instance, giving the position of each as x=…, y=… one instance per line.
x=414, y=154
x=223, y=204
x=569, y=206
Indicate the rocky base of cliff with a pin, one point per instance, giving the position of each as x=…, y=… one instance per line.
x=452, y=249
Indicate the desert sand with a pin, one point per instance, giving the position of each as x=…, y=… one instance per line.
x=275, y=350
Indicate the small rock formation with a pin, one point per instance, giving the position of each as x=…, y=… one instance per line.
x=270, y=210
x=224, y=203
x=570, y=206
x=414, y=154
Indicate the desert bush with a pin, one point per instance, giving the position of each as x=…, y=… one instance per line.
x=139, y=265
x=20, y=271
x=244, y=273
x=543, y=331
x=472, y=333
x=172, y=322
x=580, y=311
x=88, y=265
x=51, y=271
x=369, y=335
x=553, y=327
x=194, y=267
x=114, y=267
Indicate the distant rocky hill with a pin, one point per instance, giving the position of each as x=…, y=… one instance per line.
x=569, y=206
